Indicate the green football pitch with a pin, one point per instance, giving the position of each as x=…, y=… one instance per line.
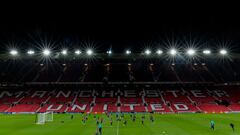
x=167, y=124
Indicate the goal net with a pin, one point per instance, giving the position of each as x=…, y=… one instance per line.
x=42, y=118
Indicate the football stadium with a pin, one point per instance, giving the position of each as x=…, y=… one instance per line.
x=150, y=92
x=92, y=75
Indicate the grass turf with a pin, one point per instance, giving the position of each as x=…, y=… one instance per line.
x=167, y=124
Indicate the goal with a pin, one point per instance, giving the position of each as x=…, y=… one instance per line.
x=42, y=118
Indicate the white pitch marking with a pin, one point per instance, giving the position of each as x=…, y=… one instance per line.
x=118, y=128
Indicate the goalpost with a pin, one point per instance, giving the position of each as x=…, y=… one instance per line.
x=42, y=118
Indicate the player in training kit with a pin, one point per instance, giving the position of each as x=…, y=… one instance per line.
x=125, y=122
x=84, y=119
x=101, y=120
x=212, y=124
x=117, y=116
x=97, y=121
x=111, y=121
x=100, y=128
x=151, y=118
x=143, y=117
x=232, y=126
x=122, y=115
x=134, y=118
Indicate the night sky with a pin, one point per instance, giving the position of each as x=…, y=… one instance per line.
x=119, y=28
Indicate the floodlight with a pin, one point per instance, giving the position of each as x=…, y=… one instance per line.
x=207, y=52
x=109, y=52
x=191, y=52
x=128, y=52
x=46, y=52
x=64, y=52
x=147, y=52
x=223, y=52
x=14, y=52
x=77, y=52
x=30, y=52
x=159, y=52
x=89, y=52
x=173, y=52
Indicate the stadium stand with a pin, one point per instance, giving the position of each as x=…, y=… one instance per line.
x=164, y=101
x=119, y=87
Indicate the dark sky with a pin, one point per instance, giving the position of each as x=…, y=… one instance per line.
x=120, y=27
